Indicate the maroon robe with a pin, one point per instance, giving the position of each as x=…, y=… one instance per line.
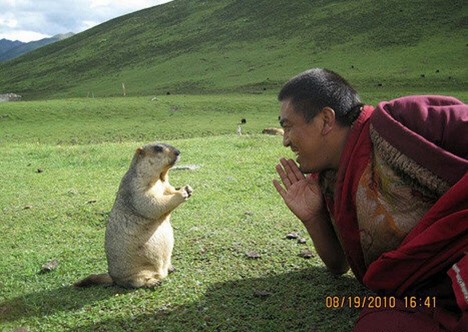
x=431, y=132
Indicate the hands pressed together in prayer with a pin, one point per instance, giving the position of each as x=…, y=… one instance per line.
x=303, y=197
x=300, y=193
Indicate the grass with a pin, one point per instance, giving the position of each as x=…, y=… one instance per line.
x=96, y=120
x=61, y=165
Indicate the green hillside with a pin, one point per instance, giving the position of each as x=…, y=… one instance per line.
x=196, y=46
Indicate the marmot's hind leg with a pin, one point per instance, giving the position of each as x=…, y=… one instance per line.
x=151, y=282
x=143, y=279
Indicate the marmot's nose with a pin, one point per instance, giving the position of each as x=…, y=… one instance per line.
x=176, y=152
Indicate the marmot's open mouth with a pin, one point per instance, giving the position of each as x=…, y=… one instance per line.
x=163, y=175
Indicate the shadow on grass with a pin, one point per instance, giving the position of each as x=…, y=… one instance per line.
x=288, y=302
x=49, y=302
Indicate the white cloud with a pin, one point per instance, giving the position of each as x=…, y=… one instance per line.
x=9, y=22
x=22, y=35
x=99, y=3
x=28, y=20
x=88, y=25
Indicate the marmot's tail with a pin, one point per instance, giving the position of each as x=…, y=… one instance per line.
x=95, y=279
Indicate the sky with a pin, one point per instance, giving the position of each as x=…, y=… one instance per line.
x=29, y=20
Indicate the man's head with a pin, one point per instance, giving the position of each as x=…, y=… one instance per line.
x=317, y=88
x=317, y=109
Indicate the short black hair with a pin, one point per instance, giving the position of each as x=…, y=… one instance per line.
x=317, y=88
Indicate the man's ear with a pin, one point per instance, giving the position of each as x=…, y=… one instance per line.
x=328, y=120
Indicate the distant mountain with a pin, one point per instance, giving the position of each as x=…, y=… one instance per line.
x=13, y=49
x=6, y=45
x=253, y=46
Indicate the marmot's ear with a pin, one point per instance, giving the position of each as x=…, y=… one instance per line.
x=140, y=151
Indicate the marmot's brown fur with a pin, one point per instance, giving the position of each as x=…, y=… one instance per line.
x=273, y=131
x=139, y=236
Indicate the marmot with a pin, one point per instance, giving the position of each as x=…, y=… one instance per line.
x=273, y=131
x=139, y=236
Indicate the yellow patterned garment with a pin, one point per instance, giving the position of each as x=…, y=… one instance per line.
x=384, y=221
x=399, y=160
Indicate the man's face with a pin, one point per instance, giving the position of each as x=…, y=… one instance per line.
x=304, y=139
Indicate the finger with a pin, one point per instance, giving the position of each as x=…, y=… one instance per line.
x=312, y=177
x=293, y=172
x=288, y=174
x=284, y=177
x=279, y=188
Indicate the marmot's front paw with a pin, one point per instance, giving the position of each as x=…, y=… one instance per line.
x=187, y=191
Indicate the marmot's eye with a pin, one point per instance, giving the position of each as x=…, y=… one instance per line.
x=158, y=148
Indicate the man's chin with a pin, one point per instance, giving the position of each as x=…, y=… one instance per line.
x=305, y=169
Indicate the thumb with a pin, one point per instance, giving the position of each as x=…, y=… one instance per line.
x=312, y=178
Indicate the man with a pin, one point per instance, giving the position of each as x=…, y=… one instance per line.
x=384, y=191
